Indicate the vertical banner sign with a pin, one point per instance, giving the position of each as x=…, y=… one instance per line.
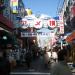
x=52, y=23
x=61, y=24
x=38, y=23
x=14, y=6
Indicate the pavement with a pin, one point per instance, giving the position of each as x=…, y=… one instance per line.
x=73, y=71
x=33, y=72
x=29, y=73
x=37, y=68
x=71, y=67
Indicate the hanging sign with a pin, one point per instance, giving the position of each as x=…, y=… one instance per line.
x=25, y=23
x=38, y=23
x=52, y=23
x=61, y=24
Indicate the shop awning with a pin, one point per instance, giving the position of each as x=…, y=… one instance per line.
x=71, y=37
x=6, y=22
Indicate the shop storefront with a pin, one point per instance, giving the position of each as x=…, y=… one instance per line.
x=6, y=32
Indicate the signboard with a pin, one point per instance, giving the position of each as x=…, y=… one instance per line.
x=61, y=29
x=38, y=23
x=14, y=6
x=33, y=21
x=61, y=24
x=24, y=23
x=52, y=23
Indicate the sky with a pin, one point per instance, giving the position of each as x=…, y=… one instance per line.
x=48, y=7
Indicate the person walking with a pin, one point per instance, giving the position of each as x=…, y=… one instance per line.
x=28, y=59
x=61, y=67
x=4, y=64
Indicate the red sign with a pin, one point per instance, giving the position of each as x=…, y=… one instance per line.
x=52, y=23
x=37, y=23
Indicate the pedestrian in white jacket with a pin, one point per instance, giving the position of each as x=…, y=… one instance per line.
x=61, y=67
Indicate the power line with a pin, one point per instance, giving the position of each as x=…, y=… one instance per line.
x=57, y=6
x=60, y=5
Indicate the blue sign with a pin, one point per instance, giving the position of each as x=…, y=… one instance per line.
x=56, y=18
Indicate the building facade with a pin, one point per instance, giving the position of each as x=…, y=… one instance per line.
x=69, y=22
x=9, y=20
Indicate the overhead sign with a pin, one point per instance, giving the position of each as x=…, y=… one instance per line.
x=24, y=23
x=38, y=23
x=33, y=21
x=52, y=23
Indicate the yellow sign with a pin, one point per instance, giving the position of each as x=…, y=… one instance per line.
x=14, y=6
x=29, y=11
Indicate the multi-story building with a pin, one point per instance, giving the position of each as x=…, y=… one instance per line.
x=72, y=14
x=69, y=14
x=69, y=17
x=6, y=26
x=10, y=16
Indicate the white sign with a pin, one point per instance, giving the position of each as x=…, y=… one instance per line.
x=24, y=23
x=61, y=24
x=61, y=29
x=52, y=23
x=38, y=23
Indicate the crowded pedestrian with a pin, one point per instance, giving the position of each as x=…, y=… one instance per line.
x=61, y=67
x=4, y=64
x=28, y=59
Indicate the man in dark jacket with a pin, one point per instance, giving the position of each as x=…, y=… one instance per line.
x=4, y=64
